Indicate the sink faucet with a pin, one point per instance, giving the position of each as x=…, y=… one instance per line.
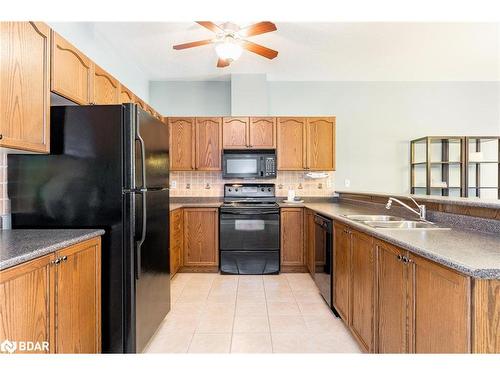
x=421, y=207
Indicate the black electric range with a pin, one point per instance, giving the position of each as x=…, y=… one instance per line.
x=249, y=230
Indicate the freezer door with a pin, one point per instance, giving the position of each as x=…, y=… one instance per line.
x=152, y=274
x=151, y=151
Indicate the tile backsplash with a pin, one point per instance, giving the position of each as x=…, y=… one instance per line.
x=211, y=184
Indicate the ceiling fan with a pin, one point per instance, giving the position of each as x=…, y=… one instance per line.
x=230, y=40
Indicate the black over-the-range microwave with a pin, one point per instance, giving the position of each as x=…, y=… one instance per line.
x=249, y=164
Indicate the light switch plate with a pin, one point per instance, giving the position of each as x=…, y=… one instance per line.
x=173, y=184
x=347, y=182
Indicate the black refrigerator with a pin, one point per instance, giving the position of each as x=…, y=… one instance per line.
x=108, y=169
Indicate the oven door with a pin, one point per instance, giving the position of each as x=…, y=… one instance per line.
x=249, y=229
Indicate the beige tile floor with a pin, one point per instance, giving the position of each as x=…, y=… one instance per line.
x=249, y=314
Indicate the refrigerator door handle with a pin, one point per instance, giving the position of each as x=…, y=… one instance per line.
x=143, y=236
x=143, y=160
x=142, y=190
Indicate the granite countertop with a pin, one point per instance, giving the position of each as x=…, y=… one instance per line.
x=461, y=201
x=21, y=245
x=473, y=253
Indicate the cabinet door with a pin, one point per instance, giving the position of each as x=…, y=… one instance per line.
x=106, y=87
x=342, y=270
x=78, y=307
x=262, y=132
x=27, y=303
x=201, y=241
x=126, y=96
x=71, y=71
x=292, y=237
x=392, y=299
x=321, y=143
x=208, y=142
x=176, y=237
x=24, y=86
x=363, y=289
x=235, y=132
x=291, y=143
x=442, y=309
x=310, y=233
x=181, y=143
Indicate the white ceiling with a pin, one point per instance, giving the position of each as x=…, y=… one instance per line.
x=321, y=51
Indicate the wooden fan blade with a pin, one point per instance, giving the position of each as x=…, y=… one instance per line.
x=222, y=63
x=259, y=50
x=193, y=44
x=258, y=28
x=210, y=26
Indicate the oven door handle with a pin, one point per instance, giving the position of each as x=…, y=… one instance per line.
x=247, y=212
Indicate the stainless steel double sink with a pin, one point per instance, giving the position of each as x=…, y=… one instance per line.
x=393, y=222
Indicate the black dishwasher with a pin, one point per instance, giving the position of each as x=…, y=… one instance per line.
x=323, y=245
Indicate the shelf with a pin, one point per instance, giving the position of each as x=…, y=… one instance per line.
x=436, y=162
x=484, y=162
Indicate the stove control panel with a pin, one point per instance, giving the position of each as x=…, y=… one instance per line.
x=249, y=190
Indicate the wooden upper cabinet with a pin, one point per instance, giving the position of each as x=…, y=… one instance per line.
x=363, y=289
x=106, y=87
x=25, y=86
x=262, y=132
x=208, y=143
x=201, y=237
x=291, y=137
x=79, y=299
x=235, y=132
x=442, y=309
x=27, y=302
x=71, y=71
x=392, y=299
x=321, y=143
x=126, y=96
x=342, y=270
x=182, y=143
x=292, y=237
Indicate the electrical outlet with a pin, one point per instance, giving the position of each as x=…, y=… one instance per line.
x=347, y=182
x=328, y=183
x=173, y=184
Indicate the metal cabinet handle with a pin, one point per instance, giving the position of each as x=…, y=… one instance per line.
x=400, y=257
x=1, y=136
x=64, y=258
x=56, y=261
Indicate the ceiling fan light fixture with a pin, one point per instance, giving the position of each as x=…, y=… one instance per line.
x=228, y=49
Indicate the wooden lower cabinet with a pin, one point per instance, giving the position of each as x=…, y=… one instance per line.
x=201, y=238
x=292, y=239
x=441, y=303
x=56, y=299
x=396, y=302
x=78, y=298
x=362, y=287
x=342, y=270
x=27, y=303
x=176, y=241
x=310, y=234
x=394, y=287
x=486, y=316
